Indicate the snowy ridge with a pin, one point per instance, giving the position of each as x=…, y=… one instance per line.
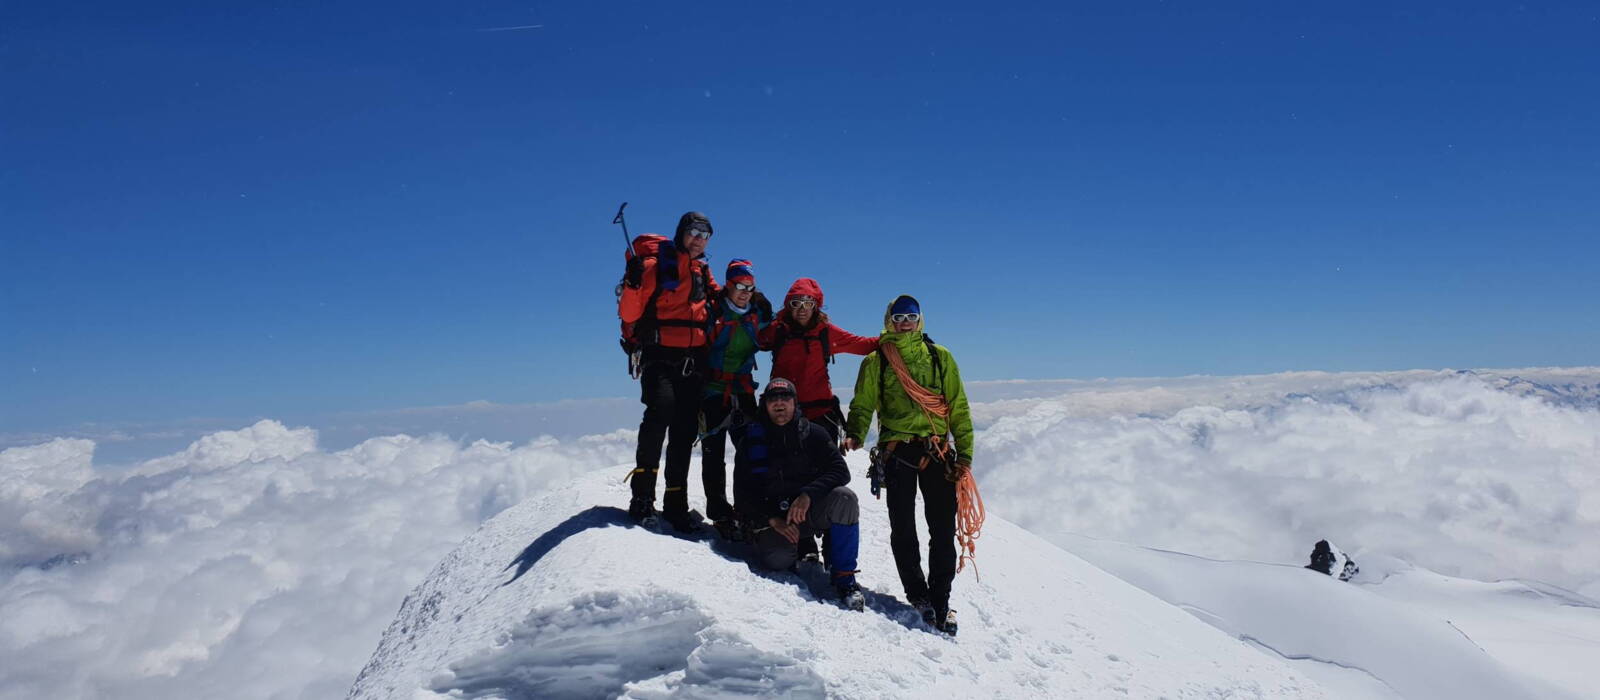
x=560, y=597
x=1394, y=631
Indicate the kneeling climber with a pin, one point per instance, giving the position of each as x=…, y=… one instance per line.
x=789, y=483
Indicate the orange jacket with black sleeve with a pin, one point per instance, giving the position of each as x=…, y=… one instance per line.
x=671, y=305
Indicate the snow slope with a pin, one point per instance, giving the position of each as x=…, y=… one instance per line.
x=1394, y=631
x=559, y=596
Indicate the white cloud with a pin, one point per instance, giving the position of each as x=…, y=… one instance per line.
x=250, y=565
x=259, y=544
x=37, y=517
x=1451, y=473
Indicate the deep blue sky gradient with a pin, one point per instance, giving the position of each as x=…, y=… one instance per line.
x=217, y=210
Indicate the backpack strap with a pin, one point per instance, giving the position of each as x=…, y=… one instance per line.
x=647, y=330
x=827, y=351
x=883, y=366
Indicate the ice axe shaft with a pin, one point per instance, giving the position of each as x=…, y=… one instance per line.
x=635, y=354
x=627, y=241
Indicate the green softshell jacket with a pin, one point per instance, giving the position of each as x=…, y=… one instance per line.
x=899, y=417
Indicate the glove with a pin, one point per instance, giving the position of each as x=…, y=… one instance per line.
x=959, y=470
x=635, y=274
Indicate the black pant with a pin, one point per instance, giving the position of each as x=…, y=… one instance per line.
x=714, y=448
x=670, y=388
x=939, y=507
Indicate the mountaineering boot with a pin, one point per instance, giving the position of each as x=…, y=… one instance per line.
x=729, y=529
x=924, y=610
x=675, y=510
x=683, y=521
x=643, y=512
x=851, y=597
x=718, y=510
x=945, y=621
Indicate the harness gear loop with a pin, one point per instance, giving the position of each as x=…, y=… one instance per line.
x=969, y=504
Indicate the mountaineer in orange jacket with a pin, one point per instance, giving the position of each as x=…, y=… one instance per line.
x=665, y=306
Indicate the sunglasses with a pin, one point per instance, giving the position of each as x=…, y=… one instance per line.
x=802, y=303
x=779, y=395
x=902, y=318
x=742, y=287
x=702, y=235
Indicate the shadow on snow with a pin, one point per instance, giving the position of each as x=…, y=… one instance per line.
x=812, y=580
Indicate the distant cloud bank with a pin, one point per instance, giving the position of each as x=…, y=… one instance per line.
x=175, y=576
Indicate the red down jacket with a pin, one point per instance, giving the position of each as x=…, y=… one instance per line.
x=801, y=355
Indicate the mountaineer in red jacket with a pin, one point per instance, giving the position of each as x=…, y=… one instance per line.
x=803, y=342
x=665, y=305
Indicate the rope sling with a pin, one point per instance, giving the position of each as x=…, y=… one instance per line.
x=969, y=504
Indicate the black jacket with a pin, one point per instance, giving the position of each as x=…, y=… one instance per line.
x=774, y=464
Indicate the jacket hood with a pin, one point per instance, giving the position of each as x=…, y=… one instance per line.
x=804, y=287
x=888, y=325
x=686, y=221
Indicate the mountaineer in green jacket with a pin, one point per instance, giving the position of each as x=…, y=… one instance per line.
x=924, y=442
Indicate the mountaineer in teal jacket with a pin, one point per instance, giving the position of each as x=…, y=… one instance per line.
x=918, y=449
x=739, y=316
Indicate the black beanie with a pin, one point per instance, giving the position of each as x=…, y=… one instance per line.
x=686, y=222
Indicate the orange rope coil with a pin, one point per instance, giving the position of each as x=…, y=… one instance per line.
x=969, y=503
x=969, y=522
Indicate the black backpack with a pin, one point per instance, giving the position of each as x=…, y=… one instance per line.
x=822, y=337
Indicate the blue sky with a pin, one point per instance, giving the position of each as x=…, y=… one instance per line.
x=209, y=210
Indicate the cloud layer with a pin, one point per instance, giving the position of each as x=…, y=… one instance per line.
x=1453, y=473
x=257, y=563
x=250, y=565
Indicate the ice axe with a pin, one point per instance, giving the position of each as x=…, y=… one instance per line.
x=635, y=353
x=627, y=243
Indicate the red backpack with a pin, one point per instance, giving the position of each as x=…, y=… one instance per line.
x=646, y=331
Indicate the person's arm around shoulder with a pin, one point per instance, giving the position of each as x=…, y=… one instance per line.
x=713, y=290
x=864, y=403
x=843, y=341
x=767, y=336
x=763, y=308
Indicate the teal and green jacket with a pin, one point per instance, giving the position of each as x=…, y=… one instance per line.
x=732, y=355
x=878, y=391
